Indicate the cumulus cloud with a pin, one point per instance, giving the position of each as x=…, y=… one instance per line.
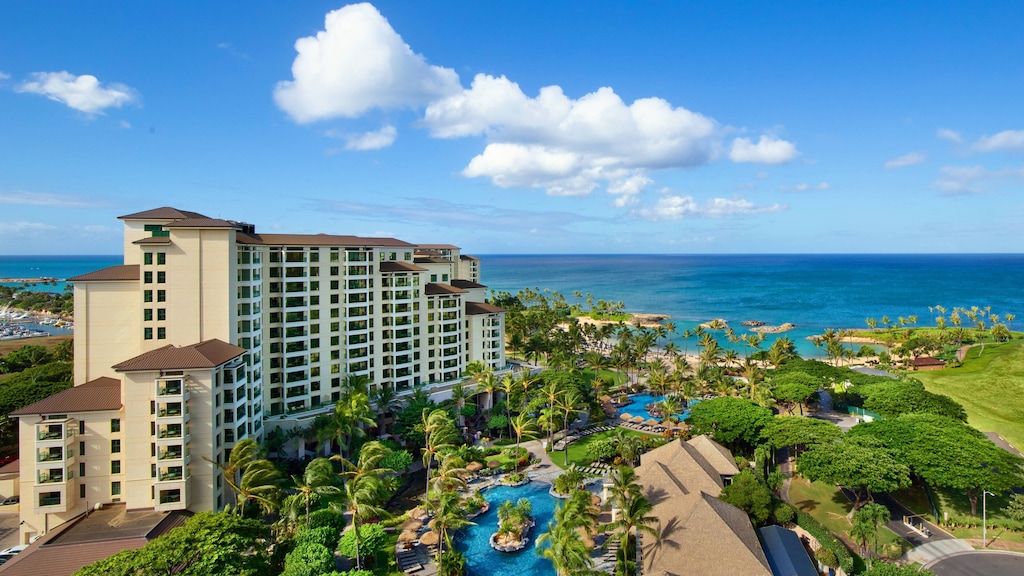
x=768, y=150
x=1007, y=140
x=4, y=76
x=906, y=160
x=43, y=199
x=571, y=146
x=679, y=207
x=566, y=146
x=355, y=64
x=967, y=180
x=804, y=187
x=84, y=93
x=373, y=140
x=951, y=135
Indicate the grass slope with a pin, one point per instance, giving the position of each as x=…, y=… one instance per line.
x=990, y=387
x=578, y=449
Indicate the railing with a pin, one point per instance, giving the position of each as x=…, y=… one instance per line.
x=167, y=412
x=170, y=498
x=49, y=501
x=171, y=455
x=50, y=435
x=50, y=457
x=50, y=478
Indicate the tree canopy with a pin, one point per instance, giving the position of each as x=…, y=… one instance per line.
x=215, y=544
x=860, y=466
x=797, y=431
x=749, y=495
x=729, y=420
x=898, y=397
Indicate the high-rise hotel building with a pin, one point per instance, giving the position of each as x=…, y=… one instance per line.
x=211, y=332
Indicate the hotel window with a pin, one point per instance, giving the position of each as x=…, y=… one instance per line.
x=81, y=490
x=161, y=314
x=115, y=488
x=115, y=424
x=147, y=333
x=161, y=277
x=161, y=295
x=115, y=466
x=147, y=277
x=147, y=314
x=115, y=446
x=81, y=468
x=157, y=231
x=161, y=333
x=147, y=295
x=433, y=277
x=81, y=427
x=147, y=258
x=161, y=258
x=81, y=448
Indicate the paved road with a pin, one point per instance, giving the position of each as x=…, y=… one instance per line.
x=897, y=511
x=979, y=563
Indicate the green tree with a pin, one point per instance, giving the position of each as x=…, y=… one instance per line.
x=309, y=559
x=370, y=539
x=798, y=432
x=523, y=426
x=859, y=466
x=318, y=481
x=634, y=516
x=732, y=421
x=908, y=396
x=208, y=544
x=874, y=515
x=749, y=495
x=439, y=434
x=887, y=569
x=794, y=388
x=1015, y=507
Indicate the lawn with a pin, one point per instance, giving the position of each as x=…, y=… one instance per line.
x=828, y=505
x=578, y=449
x=956, y=504
x=8, y=346
x=990, y=388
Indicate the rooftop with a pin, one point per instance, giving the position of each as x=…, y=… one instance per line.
x=208, y=354
x=435, y=289
x=476, y=308
x=93, y=396
x=395, y=266
x=122, y=273
x=164, y=213
x=317, y=240
x=466, y=284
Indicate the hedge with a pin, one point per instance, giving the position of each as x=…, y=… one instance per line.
x=827, y=540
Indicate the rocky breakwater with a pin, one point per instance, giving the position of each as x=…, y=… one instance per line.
x=773, y=329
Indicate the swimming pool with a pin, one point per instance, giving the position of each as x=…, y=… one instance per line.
x=637, y=403
x=482, y=560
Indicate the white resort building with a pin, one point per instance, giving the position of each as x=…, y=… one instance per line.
x=211, y=332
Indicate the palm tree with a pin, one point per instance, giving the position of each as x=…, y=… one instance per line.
x=623, y=484
x=488, y=383
x=508, y=385
x=450, y=473
x=523, y=426
x=461, y=395
x=438, y=434
x=260, y=483
x=564, y=548
x=384, y=399
x=568, y=402
x=448, y=516
x=361, y=493
x=634, y=517
x=351, y=413
x=316, y=482
x=245, y=453
x=551, y=391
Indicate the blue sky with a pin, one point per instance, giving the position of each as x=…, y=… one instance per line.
x=520, y=127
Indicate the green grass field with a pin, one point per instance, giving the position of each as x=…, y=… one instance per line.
x=990, y=387
x=578, y=449
x=828, y=505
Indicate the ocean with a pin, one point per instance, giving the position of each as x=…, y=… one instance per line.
x=813, y=291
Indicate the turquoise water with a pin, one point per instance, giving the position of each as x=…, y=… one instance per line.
x=636, y=406
x=58, y=267
x=813, y=291
x=482, y=560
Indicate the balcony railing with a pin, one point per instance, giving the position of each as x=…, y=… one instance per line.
x=50, y=456
x=50, y=478
x=49, y=501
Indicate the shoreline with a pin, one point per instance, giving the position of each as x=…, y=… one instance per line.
x=40, y=280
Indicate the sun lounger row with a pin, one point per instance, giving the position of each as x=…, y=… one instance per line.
x=612, y=550
x=561, y=444
x=643, y=427
x=409, y=562
x=595, y=469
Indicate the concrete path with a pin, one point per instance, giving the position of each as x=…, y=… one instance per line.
x=932, y=551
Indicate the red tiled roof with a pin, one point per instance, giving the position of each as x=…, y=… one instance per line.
x=434, y=289
x=477, y=308
x=12, y=467
x=466, y=284
x=430, y=260
x=93, y=396
x=437, y=247
x=125, y=272
x=208, y=354
x=200, y=223
x=928, y=361
x=153, y=240
x=164, y=213
x=467, y=257
x=400, y=267
x=316, y=240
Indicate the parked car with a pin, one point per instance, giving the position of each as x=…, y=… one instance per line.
x=5, y=557
x=11, y=500
x=14, y=549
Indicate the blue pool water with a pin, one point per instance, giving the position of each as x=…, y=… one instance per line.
x=636, y=407
x=474, y=540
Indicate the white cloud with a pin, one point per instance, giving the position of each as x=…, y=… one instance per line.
x=966, y=180
x=803, y=187
x=374, y=140
x=16, y=228
x=4, y=76
x=768, y=150
x=951, y=135
x=571, y=146
x=358, y=63
x=679, y=207
x=43, y=199
x=1007, y=140
x=125, y=124
x=906, y=160
x=84, y=93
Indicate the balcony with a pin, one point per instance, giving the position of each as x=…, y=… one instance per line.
x=172, y=474
x=51, y=476
x=171, y=454
x=53, y=433
x=172, y=495
x=50, y=455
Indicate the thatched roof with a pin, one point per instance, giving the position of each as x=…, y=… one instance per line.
x=412, y=524
x=699, y=534
x=430, y=538
x=408, y=536
x=474, y=466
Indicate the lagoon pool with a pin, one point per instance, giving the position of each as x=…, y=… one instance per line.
x=473, y=541
x=637, y=403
